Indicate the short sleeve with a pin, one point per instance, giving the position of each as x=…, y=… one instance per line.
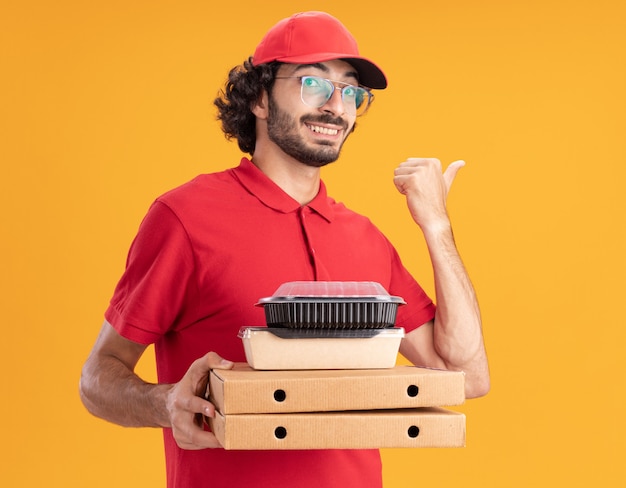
x=158, y=282
x=420, y=307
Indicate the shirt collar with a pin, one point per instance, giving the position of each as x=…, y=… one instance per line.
x=271, y=195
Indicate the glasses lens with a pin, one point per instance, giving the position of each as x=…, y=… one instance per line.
x=356, y=99
x=317, y=91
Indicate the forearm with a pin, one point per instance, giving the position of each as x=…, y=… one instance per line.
x=455, y=339
x=457, y=334
x=111, y=391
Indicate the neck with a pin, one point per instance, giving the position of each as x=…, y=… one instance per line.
x=299, y=181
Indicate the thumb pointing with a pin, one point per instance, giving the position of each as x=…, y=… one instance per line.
x=451, y=171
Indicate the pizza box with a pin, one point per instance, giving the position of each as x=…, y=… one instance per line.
x=245, y=390
x=399, y=428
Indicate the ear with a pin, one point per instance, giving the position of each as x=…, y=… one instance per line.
x=260, y=107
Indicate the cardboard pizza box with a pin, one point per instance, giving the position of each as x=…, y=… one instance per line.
x=245, y=390
x=400, y=428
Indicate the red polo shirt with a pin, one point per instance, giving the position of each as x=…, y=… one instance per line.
x=203, y=256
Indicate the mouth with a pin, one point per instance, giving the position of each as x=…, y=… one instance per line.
x=318, y=129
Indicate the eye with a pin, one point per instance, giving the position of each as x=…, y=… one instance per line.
x=350, y=91
x=312, y=82
x=356, y=93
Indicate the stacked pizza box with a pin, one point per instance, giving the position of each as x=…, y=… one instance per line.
x=322, y=375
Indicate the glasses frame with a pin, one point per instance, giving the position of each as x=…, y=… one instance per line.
x=333, y=83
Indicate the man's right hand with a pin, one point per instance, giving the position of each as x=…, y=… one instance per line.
x=187, y=406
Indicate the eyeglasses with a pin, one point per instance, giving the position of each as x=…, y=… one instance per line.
x=316, y=91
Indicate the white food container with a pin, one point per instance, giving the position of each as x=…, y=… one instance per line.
x=284, y=349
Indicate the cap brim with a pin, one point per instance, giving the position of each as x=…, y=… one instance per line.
x=370, y=75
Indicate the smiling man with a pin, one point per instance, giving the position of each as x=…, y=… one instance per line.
x=208, y=250
x=329, y=129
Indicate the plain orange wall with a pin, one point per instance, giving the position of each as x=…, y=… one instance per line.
x=104, y=105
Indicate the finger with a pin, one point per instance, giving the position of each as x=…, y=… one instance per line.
x=403, y=171
x=414, y=165
x=212, y=360
x=451, y=171
x=409, y=169
x=200, y=368
x=188, y=427
x=413, y=161
x=196, y=438
x=198, y=373
x=190, y=404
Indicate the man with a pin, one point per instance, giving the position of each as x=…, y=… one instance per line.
x=207, y=251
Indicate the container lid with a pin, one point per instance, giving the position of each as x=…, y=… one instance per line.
x=395, y=332
x=331, y=291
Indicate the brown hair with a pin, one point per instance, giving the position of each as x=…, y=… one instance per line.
x=244, y=87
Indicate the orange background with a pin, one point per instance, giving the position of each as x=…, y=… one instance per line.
x=105, y=105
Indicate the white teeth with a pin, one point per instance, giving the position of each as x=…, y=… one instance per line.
x=323, y=130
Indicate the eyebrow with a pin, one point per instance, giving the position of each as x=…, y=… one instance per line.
x=324, y=68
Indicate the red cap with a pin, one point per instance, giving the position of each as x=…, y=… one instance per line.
x=314, y=37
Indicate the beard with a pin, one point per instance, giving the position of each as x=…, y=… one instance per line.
x=282, y=130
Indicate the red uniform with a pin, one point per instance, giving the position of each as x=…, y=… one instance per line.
x=204, y=255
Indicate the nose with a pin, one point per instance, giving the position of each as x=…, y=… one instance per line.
x=335, y=104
